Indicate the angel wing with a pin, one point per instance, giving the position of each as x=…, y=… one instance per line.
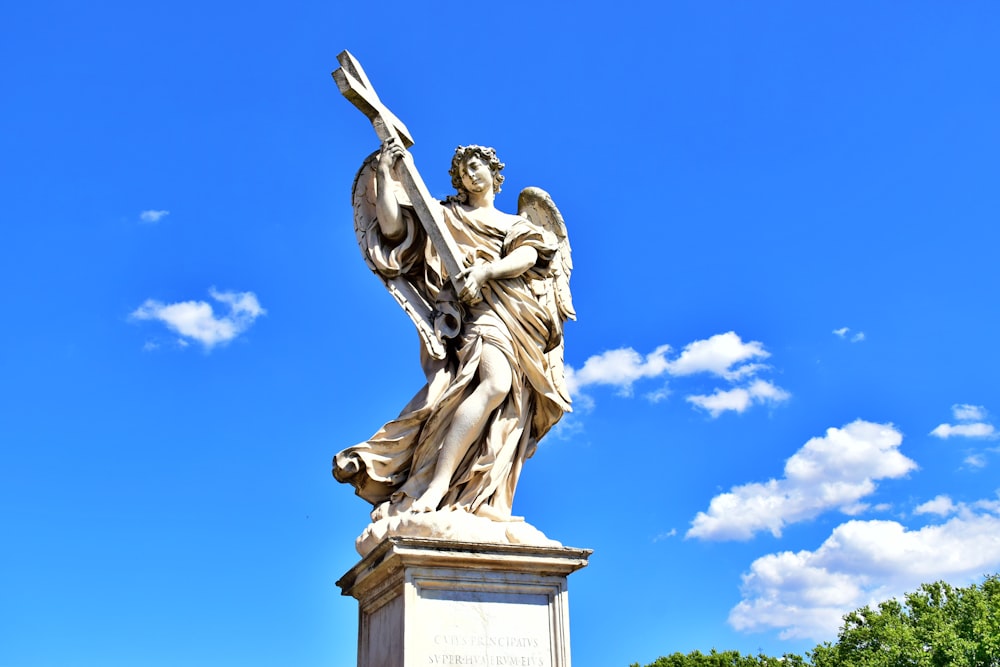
x=537, y=206
x=403, y=291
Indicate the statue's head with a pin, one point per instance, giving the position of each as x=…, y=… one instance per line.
x=464, y=153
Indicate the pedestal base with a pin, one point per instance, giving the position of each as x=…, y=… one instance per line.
x=439, y=602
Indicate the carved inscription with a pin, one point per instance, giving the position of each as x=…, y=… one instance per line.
x=483, y=629
x=477, y=650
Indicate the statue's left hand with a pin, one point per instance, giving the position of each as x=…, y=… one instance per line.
x=391, y=154
x=474, y=278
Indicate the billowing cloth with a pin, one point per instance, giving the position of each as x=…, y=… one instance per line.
x=395, y=466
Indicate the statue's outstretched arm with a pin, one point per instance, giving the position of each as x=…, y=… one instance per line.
x=387, y=209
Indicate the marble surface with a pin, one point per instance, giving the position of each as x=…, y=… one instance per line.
x=442, y=602
x=488, y=292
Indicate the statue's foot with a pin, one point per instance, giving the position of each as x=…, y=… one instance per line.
x=381, y=511
x=493, y=514
x=429, y=501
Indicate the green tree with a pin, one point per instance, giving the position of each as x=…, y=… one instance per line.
x=937, y=626
x=725, y=659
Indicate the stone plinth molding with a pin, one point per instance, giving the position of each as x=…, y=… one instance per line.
x=426, y=602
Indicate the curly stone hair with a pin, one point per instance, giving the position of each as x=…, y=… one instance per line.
x=463, y=153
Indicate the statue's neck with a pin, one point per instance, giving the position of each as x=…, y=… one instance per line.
x=482, y=200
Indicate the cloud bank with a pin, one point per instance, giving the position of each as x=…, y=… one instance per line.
x=831, y=472
x=197, y=320
x=805, y=594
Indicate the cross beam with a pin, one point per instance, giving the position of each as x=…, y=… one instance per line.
x=355, y=86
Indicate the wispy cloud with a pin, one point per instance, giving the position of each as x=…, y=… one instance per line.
x=569, y=427
x=725, y=356
x=665, y=536
x=740, y=398
x=975, y=461
x=971, y=423
x=152, y=216
x=805, y=594
x=197, y=320
x=661, y=394
x=977, y=430
x=843, y=331
x=941, y=505
x=968, y=413
x=831, y=472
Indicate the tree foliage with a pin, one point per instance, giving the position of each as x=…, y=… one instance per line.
x=725, y=659
x=936, y=626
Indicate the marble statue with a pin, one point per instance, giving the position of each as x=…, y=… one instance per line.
x=488, y=293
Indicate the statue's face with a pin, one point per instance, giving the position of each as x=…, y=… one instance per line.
x=476, y=175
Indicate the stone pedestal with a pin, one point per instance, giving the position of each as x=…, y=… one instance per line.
x=439, y=602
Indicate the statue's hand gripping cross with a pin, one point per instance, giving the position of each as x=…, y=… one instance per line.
x=355, y=86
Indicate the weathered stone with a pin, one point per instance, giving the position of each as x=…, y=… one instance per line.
x=489, y=294
x=440, y=602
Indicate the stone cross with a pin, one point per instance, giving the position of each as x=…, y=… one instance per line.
x=355, y=86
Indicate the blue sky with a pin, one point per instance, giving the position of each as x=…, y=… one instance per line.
x=784, y=222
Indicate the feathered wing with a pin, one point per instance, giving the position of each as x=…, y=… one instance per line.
x=537, y=206
x=413, y=303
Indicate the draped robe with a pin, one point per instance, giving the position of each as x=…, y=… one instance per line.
x=395, y=466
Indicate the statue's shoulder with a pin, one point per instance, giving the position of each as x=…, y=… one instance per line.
x=492, y=217
x=515, y=219
x=511, y=223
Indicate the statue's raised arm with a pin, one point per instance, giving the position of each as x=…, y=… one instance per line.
x=489, y=294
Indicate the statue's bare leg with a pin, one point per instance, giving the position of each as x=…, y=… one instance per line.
x=495, y=378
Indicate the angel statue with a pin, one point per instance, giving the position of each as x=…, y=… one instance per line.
x=491, y=347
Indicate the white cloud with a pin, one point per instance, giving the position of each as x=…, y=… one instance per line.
x=619, y=368
x=977, y=430
x=152, y=216
x=736, y=400
x=975, y=461
x=964, y=412
x=741, y=398
x=971, y=424
x=661, y=394
x=719, y=355
x=722, y=355
x=196, y=320
x=854, y=509
x=843, y=331
x=569, y=427
x=832, y=472
x=805, y=594
x=940, y=505
x=985, y=505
